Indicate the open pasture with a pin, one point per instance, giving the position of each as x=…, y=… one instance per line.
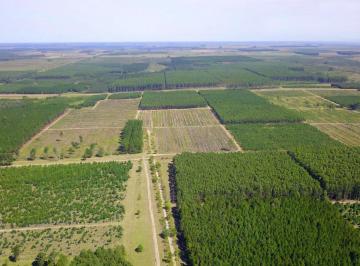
x=72, y=143
x=193, y=139
x=178, y=118
x=313, y=108
x=348, y=134
x=109, y=113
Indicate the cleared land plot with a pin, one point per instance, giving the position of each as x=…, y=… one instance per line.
x=193, y=139
x=279, y=136
x=312, y=108
x=172, y=99
x=109, y=113
x=60, y=143
x=348, y=134
x=178, y=118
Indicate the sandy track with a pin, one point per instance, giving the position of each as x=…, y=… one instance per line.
x=58, y=226
x=153, y=228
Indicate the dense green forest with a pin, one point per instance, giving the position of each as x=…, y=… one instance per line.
x=171, y=99
x=282, y=218
x=243, y=106
x=337, y=168
x=62, y=193
x=131, y=139
x=280, y=136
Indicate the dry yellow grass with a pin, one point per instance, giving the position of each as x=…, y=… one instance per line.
x=348, y=134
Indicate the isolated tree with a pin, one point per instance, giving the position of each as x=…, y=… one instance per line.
x=100, y=152
x=46, y=152
x=32, y=155
x=139, y=248
x=81, y=139
x=15, y=253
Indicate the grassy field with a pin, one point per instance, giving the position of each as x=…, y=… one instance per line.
x=112, y=113
x=92, y=128
x=348, y=134
x=61, y=143
x=312, y=107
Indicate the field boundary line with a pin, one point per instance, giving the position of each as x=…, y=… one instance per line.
x=153, y=228
x=199, y=126
x=80, y=128
x=98, y=102
x=47, y=127
x=59, y=226
x=322, y=98
x=238, y=147
x=324, y=123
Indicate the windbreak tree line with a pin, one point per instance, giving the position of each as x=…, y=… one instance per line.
x=131, y=139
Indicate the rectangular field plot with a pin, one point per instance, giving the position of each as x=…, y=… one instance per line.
x=243, y=106
x=192, y=139
x=109, y=113
x=172, y=99
x=348, y=134
x=71, y=143
x=178, y=118
x=280, y=136
x=62, y=194
x=313, y=108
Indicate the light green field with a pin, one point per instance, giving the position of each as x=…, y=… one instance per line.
x=314, y=108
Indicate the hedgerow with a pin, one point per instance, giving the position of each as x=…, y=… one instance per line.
x=125, y=95
x=72, y=193
x=132, y=137
x=243, y=106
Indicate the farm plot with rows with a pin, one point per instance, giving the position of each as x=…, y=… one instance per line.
x=348, y=134
x=173, y=99
x=194, y=139
x=243, y=106
x=193, y=130
x=280, y=136
x=232, y=204
x=178, y=118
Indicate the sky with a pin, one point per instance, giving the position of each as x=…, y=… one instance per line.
x=179, y=20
